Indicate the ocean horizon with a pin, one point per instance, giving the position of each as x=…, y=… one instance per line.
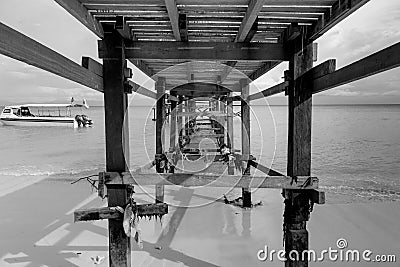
x=355, y=148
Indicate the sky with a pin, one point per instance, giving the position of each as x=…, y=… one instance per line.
x=373, y=27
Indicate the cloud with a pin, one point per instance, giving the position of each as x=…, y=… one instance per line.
x=20, y=75
x=392, y=93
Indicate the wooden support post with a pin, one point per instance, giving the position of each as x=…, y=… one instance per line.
x=184, y=119
x=229, y=135
x=160, y=110
x=117, y=144
x=192, y=109
x=172, y=125
x=229, y=126
x=180, y=118
x=222, y=120
x=245, y=110
x=297, y=204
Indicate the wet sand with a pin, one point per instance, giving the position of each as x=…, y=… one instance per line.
x=37, y=228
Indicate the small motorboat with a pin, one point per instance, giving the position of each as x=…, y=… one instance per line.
x=46, y=115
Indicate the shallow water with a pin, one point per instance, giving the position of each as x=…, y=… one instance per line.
x=356, y=149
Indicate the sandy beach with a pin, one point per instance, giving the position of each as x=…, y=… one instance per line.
x=34, y=233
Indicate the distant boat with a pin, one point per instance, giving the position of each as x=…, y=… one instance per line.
x=45, y=115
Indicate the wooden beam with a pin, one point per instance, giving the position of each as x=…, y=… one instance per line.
x=77, y=10
x=292, y=32
x=264, y=169
x=183, y=27
x=339, y=11
x=203, y=113
x=378, y=62
x=317, y=197
x=265, y=67
x=93, y=66
x=141, y=65
x=212, y=180
x=297, y=208
x=253, y=9
x=202, y=51
x=117, y=144
x=323, y=69
x=20, y=47
x=252, y=32
x=276, y=89
x=229, y=126
x=104, y=213
x=309, y=77
x=300, y=109
x=245, y=123
x=141, y=90
x=173, y=18
x=229, y=66
x=160, y=118
x=123, y=28
x=172, y=134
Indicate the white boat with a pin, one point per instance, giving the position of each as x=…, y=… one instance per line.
x=45, y=115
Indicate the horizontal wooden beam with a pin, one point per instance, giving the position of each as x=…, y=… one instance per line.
x=20, y=47
x=276, y=89
x=92, y=65
x=143, y=91
x=212, y=180
x=77, y=10
x=200, y=51
x=141, y=65
x=317, y=197
x=103, y=213
x=209, y=135
x=378, y=62
x=264, y=169
x=204, y=113
x=319, y=71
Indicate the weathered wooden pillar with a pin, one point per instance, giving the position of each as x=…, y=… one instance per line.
x=160, y=110
x=117, y=141
x=179, y=118
x=222, y=120
x=191, y=108
x=172, y=125
x=245, y=110
x=297, y=203
x=185, y=118
x=229, y=124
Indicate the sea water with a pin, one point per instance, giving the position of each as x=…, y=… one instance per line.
x=355, y=149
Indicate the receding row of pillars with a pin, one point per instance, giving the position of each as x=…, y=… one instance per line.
x=117, y=145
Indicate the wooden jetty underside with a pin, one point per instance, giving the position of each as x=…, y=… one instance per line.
x=205, y=51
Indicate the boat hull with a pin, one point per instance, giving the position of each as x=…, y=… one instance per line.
x=37, y=121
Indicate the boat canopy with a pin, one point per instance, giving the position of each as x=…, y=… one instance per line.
x=73, y=105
